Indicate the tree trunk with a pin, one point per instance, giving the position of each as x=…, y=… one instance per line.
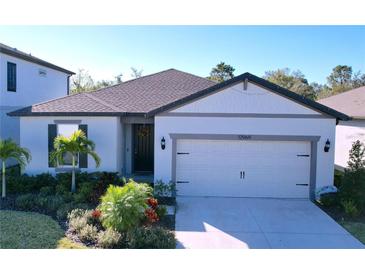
x=73, y=184
x=3, y=195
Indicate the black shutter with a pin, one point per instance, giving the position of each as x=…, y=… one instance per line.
x=52, y=134
x=83, y=156
x=11, y=70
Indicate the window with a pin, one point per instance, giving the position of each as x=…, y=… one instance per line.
x=67, y=130
x=11, y=76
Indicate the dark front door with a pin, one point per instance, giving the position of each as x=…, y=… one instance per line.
x=143, y=147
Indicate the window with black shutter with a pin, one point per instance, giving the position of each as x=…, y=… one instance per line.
x=11, y=76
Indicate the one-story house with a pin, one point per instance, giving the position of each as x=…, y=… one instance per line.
x=244, y=137
x=352, y=103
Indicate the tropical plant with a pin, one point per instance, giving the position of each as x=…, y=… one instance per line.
x=76, y=144
x=151, y=237
x=123, y=208
x=11, y=150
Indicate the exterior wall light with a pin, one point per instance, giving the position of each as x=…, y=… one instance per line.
x=327, y=146
x=163, y=143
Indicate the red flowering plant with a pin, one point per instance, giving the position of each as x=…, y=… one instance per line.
x=150, y=212
x=96, y=214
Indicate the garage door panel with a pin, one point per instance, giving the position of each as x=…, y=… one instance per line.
x=271, y=169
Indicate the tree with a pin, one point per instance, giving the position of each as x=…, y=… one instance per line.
x=118, y=78
x=76, y=144
x=340, y=79
x=136, y=73
x=221, y=72
x=11, y=150
x=82, y=82
x=356, y=157
x=294, y=81
x=103, y=84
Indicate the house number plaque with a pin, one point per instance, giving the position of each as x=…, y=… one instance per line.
x=244, y=137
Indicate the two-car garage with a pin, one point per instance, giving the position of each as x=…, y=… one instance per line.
x=243, y=168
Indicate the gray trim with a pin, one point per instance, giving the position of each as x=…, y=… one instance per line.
x=313, y=171
x=137, y=120
x=312, y=139
x=244, y=136
x=67, y=121
x=173, y=162
x=244, y=115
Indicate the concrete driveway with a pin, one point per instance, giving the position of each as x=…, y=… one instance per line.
x=211, y=222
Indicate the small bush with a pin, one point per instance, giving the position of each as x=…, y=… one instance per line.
x=84, y=193
x=88, y=233
x=329, y=199
x=123, y=207
x=350, y=208
x=26, y=201
x=162, y=189
x=76, y=224
x=151, y=237
x=65, y=209
x=109, y=239
x=49, y=204
x=46, y=190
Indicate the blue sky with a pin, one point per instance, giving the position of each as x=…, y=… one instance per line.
x=106, y=51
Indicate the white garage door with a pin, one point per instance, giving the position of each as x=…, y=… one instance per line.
x=243, y=168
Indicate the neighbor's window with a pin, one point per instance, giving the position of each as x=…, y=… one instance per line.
x=11, y=76
x=67, y=130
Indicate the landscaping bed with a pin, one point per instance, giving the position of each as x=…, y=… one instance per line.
x=46, y=194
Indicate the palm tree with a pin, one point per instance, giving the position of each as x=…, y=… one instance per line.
x=74, y=145
x=11, y=150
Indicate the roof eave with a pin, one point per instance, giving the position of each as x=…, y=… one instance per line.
x=34, y=60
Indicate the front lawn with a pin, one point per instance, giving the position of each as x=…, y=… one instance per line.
x=28, y=230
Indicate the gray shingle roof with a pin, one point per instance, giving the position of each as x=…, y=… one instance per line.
x=153, y=94
x=138, y=96
x=30, y=58
x=352, y=102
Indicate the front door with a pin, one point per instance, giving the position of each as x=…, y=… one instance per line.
x=143, y=147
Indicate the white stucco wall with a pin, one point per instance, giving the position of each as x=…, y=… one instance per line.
x=104, y=131
x=347, y=132
x=255, y=100
x=31, y=87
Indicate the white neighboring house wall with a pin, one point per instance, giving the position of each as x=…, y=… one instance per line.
x=106, y=132
x=255, y=100
x=347, y=132
x=31, y=88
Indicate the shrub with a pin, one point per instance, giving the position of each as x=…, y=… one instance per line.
x=26, y=201
x=109, y=239
x=329, y=199
x=84, y=193
x=88, y=233
x=164, y=190
x=64, y=210
x=123, y=207
x=46, y=190
x=77, y=223
x=49, y=204
x=350, y=208
x=151, y=237
x=353, y=183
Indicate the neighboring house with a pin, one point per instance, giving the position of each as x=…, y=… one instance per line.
x=26, y=80
x=352, y=103
x=245, y=137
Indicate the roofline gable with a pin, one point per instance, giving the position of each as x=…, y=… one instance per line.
x=261, y=82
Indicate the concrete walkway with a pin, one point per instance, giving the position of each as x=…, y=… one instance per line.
x=212, y=222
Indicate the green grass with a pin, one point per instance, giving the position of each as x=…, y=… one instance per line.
x=356, y=229
x=28, y=230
